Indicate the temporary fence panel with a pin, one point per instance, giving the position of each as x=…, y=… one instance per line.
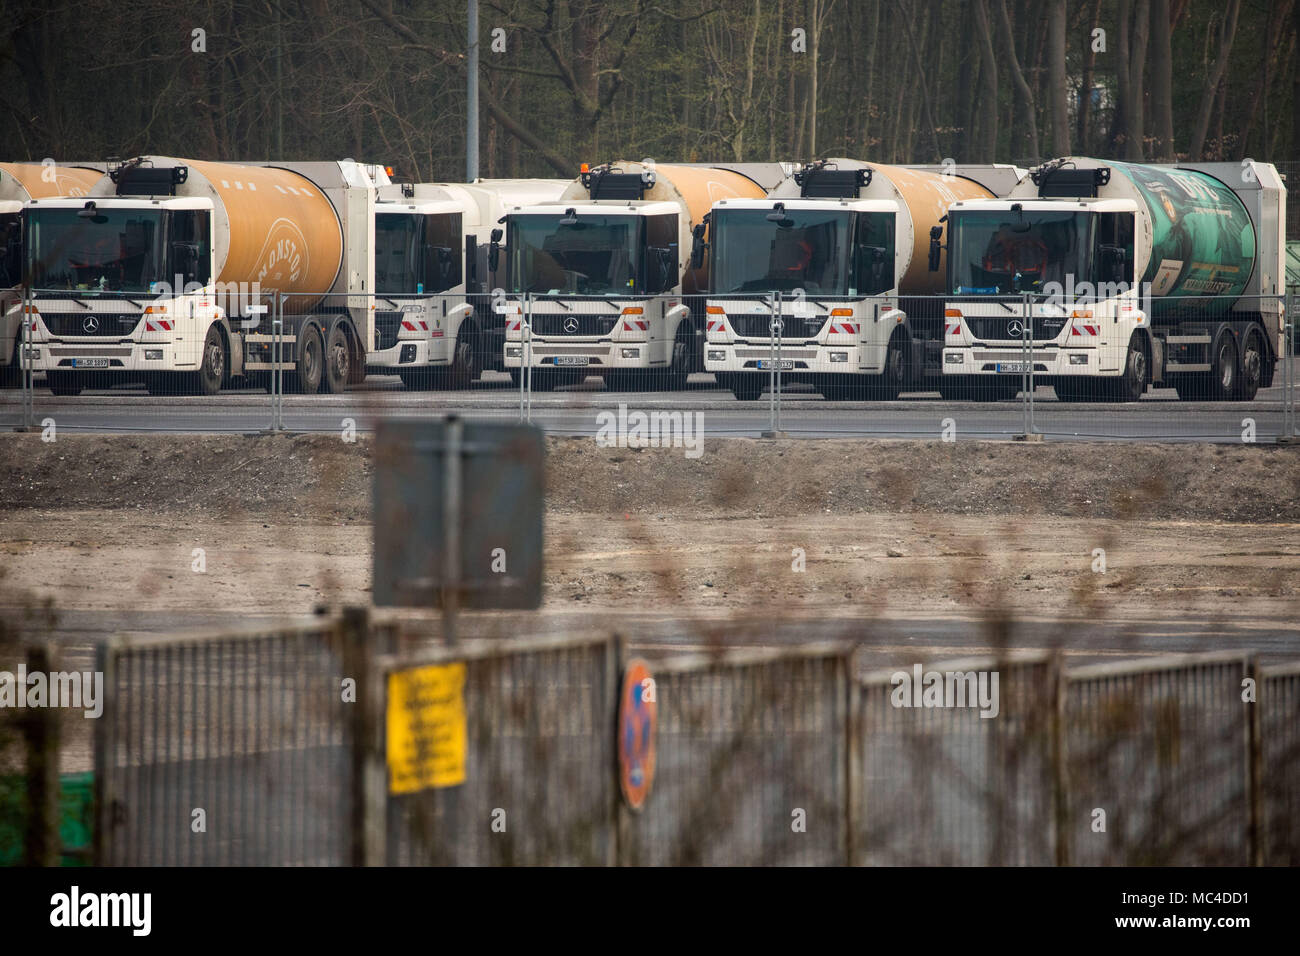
x=1278, y=766
x=1156, y=762
x=530, y=727
x=941, y=785
x=751, y=765
x=225, y=750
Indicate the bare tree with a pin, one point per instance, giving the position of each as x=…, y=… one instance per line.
x=1056, y=81
x=1162, y=82
x=1028, y=114
x=1227, y=31
x=988, y=141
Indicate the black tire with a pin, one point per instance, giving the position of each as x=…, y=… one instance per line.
x=212, y=367
x=679, y=363
x=465, y=365
x=336, y=367
x=1221, y=383
x=305, y=379
x=64, y=383
x=1251, y=375
x=1132, y=382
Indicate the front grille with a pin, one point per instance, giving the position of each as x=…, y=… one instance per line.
x=997, y=328
x=792, y=327
x=586, y=323
x=111, y=324
x=387, y=325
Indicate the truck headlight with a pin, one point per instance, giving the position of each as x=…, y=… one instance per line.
x=717, y=355
x=1079, y=359
x=513, y=351
x=839, y=356
x=631, y=353
x=153, y=355
x=953, y=358
x=32, y=354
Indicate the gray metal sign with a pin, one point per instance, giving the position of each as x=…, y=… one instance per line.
x=458, y=515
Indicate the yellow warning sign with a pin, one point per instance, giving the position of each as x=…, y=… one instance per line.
x=426, y=728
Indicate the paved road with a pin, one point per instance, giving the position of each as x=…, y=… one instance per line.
x=573, y=411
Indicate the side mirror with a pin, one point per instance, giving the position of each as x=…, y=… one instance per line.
x=936, y=233
x=494, y=250
x=698, y=245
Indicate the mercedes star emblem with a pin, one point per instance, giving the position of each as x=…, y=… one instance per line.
x=570, y=325
x=91, y=325
x=1015, y=328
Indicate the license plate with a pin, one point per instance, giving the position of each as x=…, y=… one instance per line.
x=1019, y=368
x=90, y=363
x=572, y=360
x=784, y=364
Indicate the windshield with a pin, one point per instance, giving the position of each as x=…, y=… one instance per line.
x=119, y=250
x=416, y=253
x=808, y=250
x=596, y=255
x=1000, y=252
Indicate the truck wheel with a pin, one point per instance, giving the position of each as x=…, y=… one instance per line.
x=1133, y=382
x=305, y=380
x=1221, y=383
x=679, y=366
x=64, y=383
x=212, y=369
x=336, y=369
x=1252, y=368
x=11, y=376
x=465, y=360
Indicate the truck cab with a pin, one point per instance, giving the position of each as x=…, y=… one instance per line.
x=1061, y=274
x=832, y=259
x=603, y=277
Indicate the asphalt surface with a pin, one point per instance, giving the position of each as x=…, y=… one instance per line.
x=574, y=410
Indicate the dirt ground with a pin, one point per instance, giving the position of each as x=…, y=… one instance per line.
x=893, y=529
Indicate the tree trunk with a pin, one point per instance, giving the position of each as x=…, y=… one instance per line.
x=1056, y=80
x=1026, y=111
x=1084, y=132
x=988, y=140
x=1226, y=33
x=1162, y=83
x=1274, y=34
x=1134, y=135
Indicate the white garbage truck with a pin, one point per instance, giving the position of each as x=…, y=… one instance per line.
x=1112, y=277
x=613, y=289
x=844, y=245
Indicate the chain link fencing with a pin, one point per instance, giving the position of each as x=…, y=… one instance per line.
x=767, y=363
x=286, y=747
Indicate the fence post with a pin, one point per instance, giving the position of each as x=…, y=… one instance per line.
x=42, y=846
x=277, y=354
x=365, y=743
x=1289, y=318
x=526, y=363
x=1060, y=777
x=1254, y=772
x=774, y=368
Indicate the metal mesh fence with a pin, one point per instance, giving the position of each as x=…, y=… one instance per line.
x=1278, y=765
x=938, y=784
x=752, y=762
x=231, y=750
x=954, y=368
x=1157, y=753
x=539, y=786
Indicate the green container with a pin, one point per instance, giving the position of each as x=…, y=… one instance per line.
x=1203, y=242
x=76, y=818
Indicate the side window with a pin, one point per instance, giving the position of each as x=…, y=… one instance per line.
x=443, y=252
x=661, y=253
x=191, y=239
x=1114, y=247
x=873, y=254
x=10, y=250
